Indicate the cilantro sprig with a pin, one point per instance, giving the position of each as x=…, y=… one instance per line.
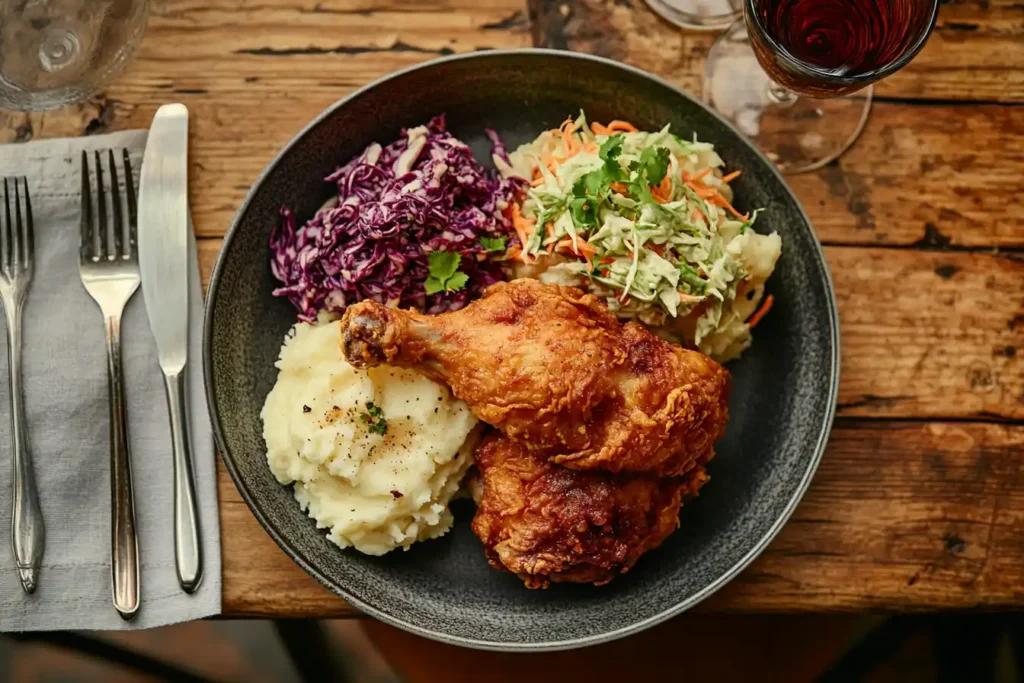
x=443, y=267
x=590, y=190
x=493, y=243
x=374, y=417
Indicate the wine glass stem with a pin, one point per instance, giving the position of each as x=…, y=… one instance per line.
x=783, y=97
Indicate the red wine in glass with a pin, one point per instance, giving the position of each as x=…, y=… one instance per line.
x=827, y=48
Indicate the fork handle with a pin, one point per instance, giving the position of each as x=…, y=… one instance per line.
x=187, y=550
x=124, y=567
x=27, y=532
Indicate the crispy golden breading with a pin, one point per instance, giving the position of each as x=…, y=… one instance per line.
x=549, y=524
x=558, y=374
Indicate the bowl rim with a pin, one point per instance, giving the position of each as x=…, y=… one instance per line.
x=817, y=253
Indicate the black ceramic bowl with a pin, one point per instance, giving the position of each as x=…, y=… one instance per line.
x=784, y=388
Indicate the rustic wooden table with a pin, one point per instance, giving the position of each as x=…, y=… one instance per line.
x=919, y=500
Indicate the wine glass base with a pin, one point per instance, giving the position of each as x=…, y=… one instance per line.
x=798, y=134
x=700, y=15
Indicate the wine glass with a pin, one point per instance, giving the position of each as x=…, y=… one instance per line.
x=796, y=75
x=698, y=14
x=57, y=52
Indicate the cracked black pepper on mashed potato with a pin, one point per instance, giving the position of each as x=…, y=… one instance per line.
x=375, y=456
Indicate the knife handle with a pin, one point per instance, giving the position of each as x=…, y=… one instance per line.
x=188, y=554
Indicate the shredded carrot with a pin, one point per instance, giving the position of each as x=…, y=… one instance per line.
x=561, y=128
x=721, y=201
x=590, y=147
x=663, y=191
x=697, y=213
x=731, y=177
x=622, y=125
x=599, y=129
x=606, y=260
x=552, y=164
x=619, y=187
x=524, y=228
x=537, y=182
x=766, y=306
x=572, y=148
x=586, y=249
x=702, y=191
x=689, y=178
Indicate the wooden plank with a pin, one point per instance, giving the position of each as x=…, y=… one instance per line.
x=900, y=516
x=974, y=53
x=924, y=333
x=928, y=176
x=259, y=580
x=917, y=173
x=266, y=71
x=929, y=333
x=910, y=179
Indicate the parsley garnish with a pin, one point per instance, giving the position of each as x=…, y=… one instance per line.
x=374, y=417
x=444, y=273
x=493, y=243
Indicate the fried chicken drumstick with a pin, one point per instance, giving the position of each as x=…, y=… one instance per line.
x=549, y=524
x=559, y=375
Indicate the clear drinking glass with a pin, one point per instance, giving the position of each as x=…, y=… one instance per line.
x=698, y=14
x=57, y=52
x=796, y=76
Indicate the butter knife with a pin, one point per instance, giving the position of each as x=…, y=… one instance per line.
x=163, y=262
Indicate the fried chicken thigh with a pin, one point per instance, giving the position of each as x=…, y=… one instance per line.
x=549, y=524
x=559, y=375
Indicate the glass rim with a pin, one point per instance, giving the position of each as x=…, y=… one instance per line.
x=866, y=78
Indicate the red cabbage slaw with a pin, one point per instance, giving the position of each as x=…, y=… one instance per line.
x=396, y=205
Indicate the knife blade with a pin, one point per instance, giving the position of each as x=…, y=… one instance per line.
x=163, y=234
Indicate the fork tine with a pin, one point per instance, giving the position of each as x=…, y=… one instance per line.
x=101, y=202
x=115, y=201
x=5, y=233
x=133, y=216
x=17, y=239
x=30, y=237
x=85, y=243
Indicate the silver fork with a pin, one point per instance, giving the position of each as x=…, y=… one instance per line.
x=109, y=266
x=17, y=245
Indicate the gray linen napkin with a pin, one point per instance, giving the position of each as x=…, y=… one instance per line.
x=64, y=361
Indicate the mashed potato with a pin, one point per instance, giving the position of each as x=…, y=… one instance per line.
x=375, y=456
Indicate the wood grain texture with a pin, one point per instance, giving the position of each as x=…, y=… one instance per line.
x=900, y=516
x=918, y=503
x=974, y=53
x=921, y=173
x=925, y=334
x=912, y=177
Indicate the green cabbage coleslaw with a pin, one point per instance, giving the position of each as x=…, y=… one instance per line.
x=645, y=221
